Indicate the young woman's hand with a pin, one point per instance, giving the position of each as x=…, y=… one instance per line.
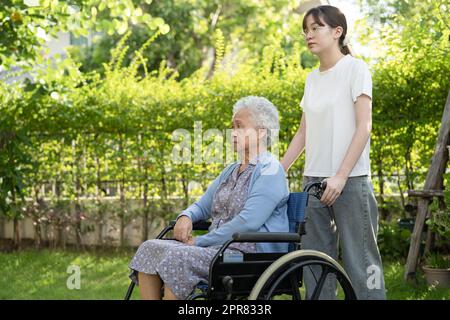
x=182, y=229
x=334, y=188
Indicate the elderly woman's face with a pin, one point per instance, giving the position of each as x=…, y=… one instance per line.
x=245, y=133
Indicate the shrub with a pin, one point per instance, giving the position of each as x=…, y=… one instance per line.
x=393, y=241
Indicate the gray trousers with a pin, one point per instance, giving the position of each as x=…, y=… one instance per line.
x=354, y=227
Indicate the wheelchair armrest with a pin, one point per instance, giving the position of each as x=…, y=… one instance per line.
x=266, y=237
x=199, y=225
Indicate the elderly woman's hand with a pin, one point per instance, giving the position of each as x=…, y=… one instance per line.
x=191, y=241
x=182, y=229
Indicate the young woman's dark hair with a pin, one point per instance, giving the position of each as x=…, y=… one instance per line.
x=333, y=17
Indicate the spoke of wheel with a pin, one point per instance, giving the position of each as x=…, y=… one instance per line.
x=321, y=282
x=276, y=278
x=312, y=272
x=284, y=274
x=280, y=278
x=295, y=287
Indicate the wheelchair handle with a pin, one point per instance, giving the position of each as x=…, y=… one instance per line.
x=317, y=188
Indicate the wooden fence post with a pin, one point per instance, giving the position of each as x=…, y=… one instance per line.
x=433, y=182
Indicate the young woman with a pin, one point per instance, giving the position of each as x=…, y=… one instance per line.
x=335, y=129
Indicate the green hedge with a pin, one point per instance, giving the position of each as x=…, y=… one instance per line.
x=79, y=131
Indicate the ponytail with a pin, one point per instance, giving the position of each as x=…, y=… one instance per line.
x=346, y=50
x=343, y=44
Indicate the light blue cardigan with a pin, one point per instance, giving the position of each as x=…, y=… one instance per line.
x=265, y=209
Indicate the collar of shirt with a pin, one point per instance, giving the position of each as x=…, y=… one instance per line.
x=256, y=159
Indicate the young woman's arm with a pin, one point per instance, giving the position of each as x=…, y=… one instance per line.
x=363, y=112
x=296, y=146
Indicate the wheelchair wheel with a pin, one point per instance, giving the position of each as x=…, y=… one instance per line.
x=290, y=266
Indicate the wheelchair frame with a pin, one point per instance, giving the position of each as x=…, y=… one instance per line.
x=261, y=276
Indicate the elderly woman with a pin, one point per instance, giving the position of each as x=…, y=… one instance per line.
x=250, y=195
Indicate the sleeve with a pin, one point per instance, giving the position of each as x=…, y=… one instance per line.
x=201, y=209
x=302, y=102
x=361, y=82
x=267, y=192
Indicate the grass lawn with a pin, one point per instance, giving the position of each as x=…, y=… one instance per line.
x=32, y=274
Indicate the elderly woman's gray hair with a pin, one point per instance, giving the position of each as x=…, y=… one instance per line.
x=263, y=114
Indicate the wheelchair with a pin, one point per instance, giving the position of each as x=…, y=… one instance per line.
x=267, y=276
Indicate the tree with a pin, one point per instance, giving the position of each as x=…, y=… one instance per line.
x=27, y=25
x=247, y=28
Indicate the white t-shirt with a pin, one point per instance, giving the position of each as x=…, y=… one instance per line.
x=328, y=103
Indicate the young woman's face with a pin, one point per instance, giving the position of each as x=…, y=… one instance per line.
x=320, y=38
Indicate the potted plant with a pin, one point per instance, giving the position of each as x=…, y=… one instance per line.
x=437, y=264
x=437, y=270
